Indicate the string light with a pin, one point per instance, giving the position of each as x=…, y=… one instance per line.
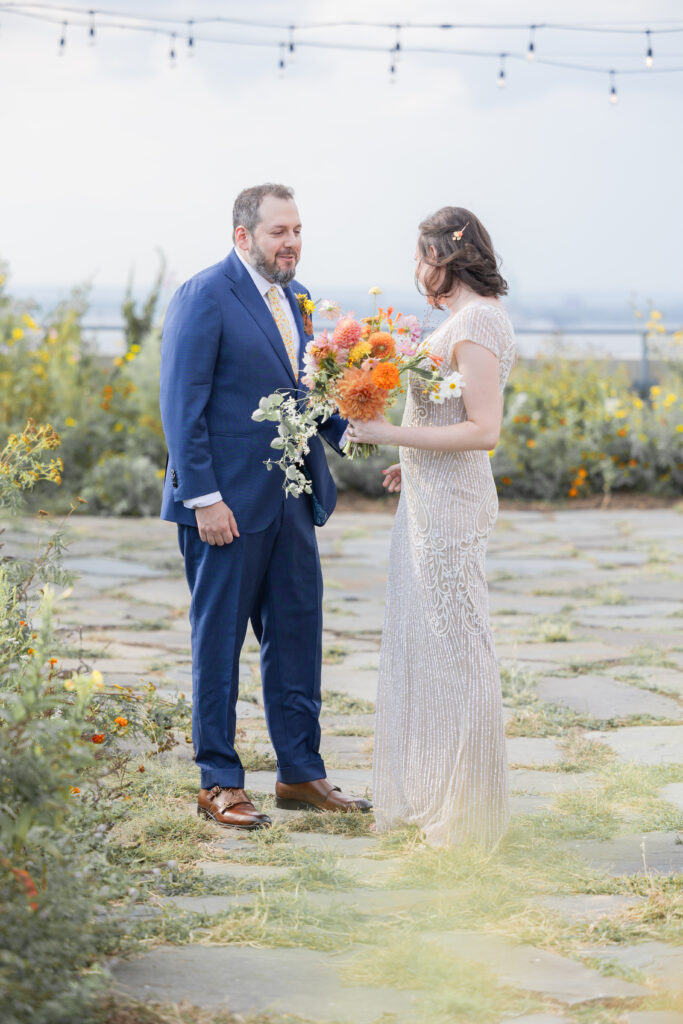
x=281, y=66
x=397, y=45
x=61, y=49
x=190, y=39
x=392, y=73
x=649, y=59
x=291, y=49
x=501, y=74
x=172, y=51
x=531, y=49
x=613, y=97
x=91, y=30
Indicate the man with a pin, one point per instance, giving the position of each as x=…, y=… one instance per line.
x=232, y=334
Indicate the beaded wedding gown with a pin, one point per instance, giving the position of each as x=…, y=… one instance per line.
x=440, y=760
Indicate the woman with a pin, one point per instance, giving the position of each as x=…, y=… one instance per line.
x=440, y=759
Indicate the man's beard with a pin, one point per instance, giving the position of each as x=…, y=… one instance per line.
x=270, y=271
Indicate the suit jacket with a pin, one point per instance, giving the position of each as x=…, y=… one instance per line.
x=221, y=352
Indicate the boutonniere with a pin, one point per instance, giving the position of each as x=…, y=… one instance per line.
x=307, y=307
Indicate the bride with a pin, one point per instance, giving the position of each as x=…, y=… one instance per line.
x=440, y=759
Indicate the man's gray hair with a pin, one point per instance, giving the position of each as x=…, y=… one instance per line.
x=245, y=212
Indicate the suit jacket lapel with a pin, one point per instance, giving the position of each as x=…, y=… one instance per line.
x=250, y=297
x=299, y=320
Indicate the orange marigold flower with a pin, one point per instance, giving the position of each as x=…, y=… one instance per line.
x=21, y=622
x=347, y=332
x=30, y=651
x=583, y=472
x=633, y=462
x=75, y=790
x=381, y=344
x=360, y=398
x=123, y=722
x=53, y=661
x=573, y=492
x=622, y=432
x=386, y=376
x=98, y=737
x=506, y=480
x=531, y=443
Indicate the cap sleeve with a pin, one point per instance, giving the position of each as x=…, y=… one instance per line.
x=480, y=325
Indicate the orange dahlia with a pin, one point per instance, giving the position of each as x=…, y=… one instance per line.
x=386, y=376
x=382, y=344
x=347, y=332
x=359, y=397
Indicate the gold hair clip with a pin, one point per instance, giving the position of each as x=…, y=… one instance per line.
x=457, y=235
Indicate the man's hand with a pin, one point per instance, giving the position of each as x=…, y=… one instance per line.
x=392, y=477
x=216, y=524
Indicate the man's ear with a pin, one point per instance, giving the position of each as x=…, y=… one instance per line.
x=242, y=238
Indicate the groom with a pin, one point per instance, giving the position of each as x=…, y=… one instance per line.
x=232, y=334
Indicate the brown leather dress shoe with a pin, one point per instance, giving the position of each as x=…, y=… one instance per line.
x=230, y=808
x=319, y=795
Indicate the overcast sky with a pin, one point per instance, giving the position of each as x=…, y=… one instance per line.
x=109, y=153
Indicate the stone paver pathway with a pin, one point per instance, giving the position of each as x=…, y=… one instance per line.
x=586, y=609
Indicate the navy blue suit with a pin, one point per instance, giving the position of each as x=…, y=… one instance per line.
x=221, y=352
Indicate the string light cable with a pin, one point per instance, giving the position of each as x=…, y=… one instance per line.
x=95, y=20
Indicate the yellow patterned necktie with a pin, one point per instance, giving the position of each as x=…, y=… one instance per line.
x=283, y=326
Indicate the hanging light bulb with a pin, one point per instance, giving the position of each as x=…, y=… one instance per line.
x=397, y=51
x=62, y=40
x=190, y=39
x=531, y=49
x=392, y=73
x=501, y=74
x=613, y=96
x=172, y=52
x=281, y=65
x=91, y=30
x=291, y=49
x=649, y=59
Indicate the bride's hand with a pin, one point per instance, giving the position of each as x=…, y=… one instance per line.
x=392, y=477
x=377, y=431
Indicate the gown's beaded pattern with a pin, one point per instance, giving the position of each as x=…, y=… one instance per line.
x=440, y=759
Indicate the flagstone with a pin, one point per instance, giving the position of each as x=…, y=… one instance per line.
x=637, y=610
x=353, y=781
x=634, y=854
x=654, y=677
x=230, y=869
x=534, y=970
x=536, y=1018
x=523, y=780
x=657, y=960
x=530, y=750
x=361, y=683
x=605, y=698
x=645, y=744
x=673, y=793
x=532, y=566
x=170, y=592
x=245, y=980
x=524, y=803
x=616, y=556
x=654, y=1017
x=582, y=907
x=564, y=653
x=351, y=846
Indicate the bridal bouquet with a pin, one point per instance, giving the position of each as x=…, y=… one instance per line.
x=357, y=368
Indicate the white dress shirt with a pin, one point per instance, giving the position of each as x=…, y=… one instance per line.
x=263, y=286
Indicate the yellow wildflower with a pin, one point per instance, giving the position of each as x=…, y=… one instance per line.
x=655, y=390
x=17, y=334
x=359, y=351
x=69, y=422
x=655, y=314
x=375, y=291
x=118, y=361
x=135, y=348
x=29, y=321
x=118, y=427
x=69, y=684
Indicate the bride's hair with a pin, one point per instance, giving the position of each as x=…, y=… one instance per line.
x=464, y=253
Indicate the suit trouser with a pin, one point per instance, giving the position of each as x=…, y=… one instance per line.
x=273, y=578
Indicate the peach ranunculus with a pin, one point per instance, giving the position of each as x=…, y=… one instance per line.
x=359, y=397
x=382, y=345
x=386, y=376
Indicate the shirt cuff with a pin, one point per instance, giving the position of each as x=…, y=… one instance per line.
x=203, y=500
